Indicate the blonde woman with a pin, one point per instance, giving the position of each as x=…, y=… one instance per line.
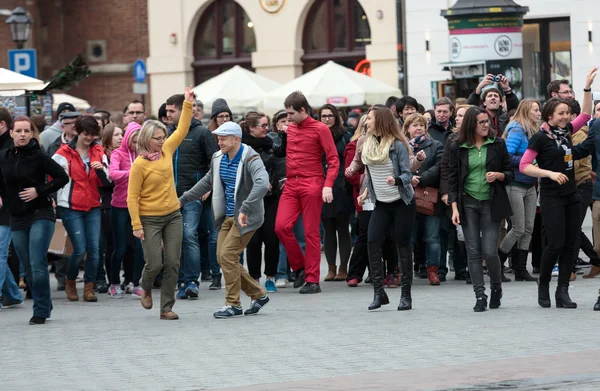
x=386, y=155
x=154, y=207
x=521, y=191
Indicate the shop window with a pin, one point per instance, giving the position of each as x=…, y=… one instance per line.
x=224, y=38
x=546, y=55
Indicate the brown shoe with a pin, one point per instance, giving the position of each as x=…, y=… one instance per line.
x=71, y=290
x=147, y=299
x=573, y=276
x=331, y=274
x=594, y=272
x=169, y=315
x=88, y=292
x=342, y=274
x=432, y=274
x=22, y=284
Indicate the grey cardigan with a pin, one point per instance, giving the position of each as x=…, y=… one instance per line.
x=400, y=158
x=251, y=185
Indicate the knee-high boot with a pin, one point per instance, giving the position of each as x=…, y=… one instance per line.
x=380, y=297
x=406, y=278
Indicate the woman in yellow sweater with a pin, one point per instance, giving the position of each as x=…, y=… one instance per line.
x=154, y=206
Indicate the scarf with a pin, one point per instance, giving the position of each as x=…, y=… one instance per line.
x=417, y=141
x=375, y=151
x=560, y=136
x=151, y=156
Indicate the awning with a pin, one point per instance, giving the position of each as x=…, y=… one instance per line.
x=466, y=69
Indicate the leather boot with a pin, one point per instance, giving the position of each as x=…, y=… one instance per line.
x=597, y=305
x=406, y=279
x=544, y=294
x=331, y=273
x=432, y=274
x=520, y=267
x=380, y=297
x=495, y=298
x=342, y=273
x=562, y=297
x=88, y=292
x=503, y=257
x=594, y=272
x=480, y=303
x=71, y=290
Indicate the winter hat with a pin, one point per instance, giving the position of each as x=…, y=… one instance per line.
x=64, y=106
x=220, y=106
x=491, y=87
x=354, y=114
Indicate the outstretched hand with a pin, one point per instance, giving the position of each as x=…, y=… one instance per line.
x=189, y=94
x=590, y=78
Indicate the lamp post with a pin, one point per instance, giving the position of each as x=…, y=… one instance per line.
x=20, y=26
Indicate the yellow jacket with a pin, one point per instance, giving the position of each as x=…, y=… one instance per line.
x=151, y=189
x=583, y=167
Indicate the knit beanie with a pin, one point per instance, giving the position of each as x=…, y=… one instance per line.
x=220, y=106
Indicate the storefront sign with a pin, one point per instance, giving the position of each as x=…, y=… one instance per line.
x=337, y=100
x=485, y=22
x=272, y=6
x=364, y=67
x=491, y=46
x=467, y=72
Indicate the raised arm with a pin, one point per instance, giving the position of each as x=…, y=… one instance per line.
x=183, y=127
x=587, y=103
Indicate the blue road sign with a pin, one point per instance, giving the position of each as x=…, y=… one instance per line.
x=23, y=61
x=139, y=71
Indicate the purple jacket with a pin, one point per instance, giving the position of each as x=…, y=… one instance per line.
x=121, y=160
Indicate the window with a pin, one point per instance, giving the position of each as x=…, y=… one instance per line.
x=546, y=54
x=224, y=38
x=336, y=30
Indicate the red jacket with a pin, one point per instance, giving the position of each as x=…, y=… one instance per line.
x=306, y=143
x=81, y=193
x=354, y=180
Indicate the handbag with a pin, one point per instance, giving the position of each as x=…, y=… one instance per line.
x=426, y=198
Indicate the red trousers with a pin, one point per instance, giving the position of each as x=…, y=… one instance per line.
x=302, y=195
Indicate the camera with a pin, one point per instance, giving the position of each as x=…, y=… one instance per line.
x=497, y=78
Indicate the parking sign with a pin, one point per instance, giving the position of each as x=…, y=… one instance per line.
x=23, y=61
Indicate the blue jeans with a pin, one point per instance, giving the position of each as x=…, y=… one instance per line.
x=282, y=266
x=31, y=246
x=83, y=229
x=8, y=286
x=122, y=234
x=208, y=243
x=189, y=266
x=431, y=237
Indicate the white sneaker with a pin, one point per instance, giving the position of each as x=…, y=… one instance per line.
x=129, y=288
x=115, y=291
x=282, y=283
x=555, y=271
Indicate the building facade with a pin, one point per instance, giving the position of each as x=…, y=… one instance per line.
x=111, y=34
x=560, y=40
x=193, y=40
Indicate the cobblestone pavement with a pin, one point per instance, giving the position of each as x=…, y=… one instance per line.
x=317, y=342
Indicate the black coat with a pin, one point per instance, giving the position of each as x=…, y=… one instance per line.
x=266, y=149
x=343, y=204
x=192, y=159
x=6, y=142
x=438, y=132
x=25, y=167
x=497, y=160
x=429, y=171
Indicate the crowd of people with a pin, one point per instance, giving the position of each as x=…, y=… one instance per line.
x=471, y=186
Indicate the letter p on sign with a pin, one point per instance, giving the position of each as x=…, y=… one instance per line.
x=23, y=61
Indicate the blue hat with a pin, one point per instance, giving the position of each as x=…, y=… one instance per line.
x=228, y=129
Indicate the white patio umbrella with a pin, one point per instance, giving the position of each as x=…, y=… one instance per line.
x=242, y=89
x=10, y=80
x=80, y=104
x=335, y=84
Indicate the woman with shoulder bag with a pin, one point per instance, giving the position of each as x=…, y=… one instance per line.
x=426, y=181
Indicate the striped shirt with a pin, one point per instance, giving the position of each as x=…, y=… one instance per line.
x=228, y=171
x=379, y=174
